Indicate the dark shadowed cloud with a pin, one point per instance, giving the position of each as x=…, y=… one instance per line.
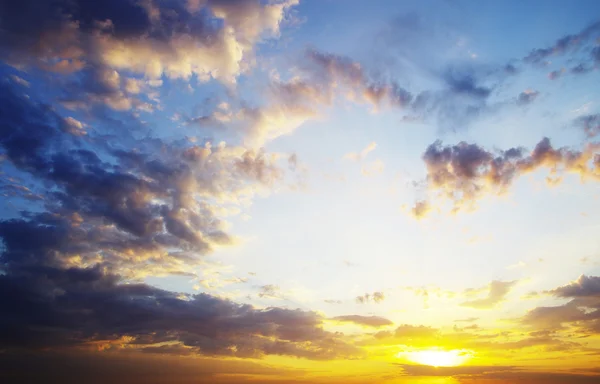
x=463, y=173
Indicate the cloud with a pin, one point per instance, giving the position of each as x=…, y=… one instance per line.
x=464, y=173
x=415, y=332
x=590, y=124
x=43, y=301
x=496, y=294
x=430, y=371
x=128, y=200
x=108, y=54
x=358, y=156
x=584, y=286
x=376, y=297
x=467, y=320
x=287, y=106
x=270, y=291
x=553, y=75
x=527, y=97
x=160, y=38
x=110, y=216
x=582, y=312
x=369, y=321
x=421, y=209
x=350, y=77
x=565, y=44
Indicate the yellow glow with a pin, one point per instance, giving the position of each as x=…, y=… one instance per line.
x=438, y=357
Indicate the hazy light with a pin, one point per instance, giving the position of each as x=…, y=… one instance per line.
x=438, y=357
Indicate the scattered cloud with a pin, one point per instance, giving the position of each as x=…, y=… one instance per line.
x=497, y=291
x=358, y=156
x=464, y=173
x=376, y=297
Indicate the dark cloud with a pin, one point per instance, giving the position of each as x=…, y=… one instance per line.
x=69, y=267
x=582, y=312
x=132, y=367
x=464, y=173
x=369, y=321
x=128, y=200
x=584, y=286
x=50, y=307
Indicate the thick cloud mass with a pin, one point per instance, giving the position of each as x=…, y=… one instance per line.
x=149, y=37
x=111, y=215
x=77, y=306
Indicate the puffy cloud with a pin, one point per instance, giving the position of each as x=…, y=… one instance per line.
x=369, y=321
x=150, y=38
x=584, y=286
x=134, y=208
x=496, y=294
x=582, y=312
x=464, y=173
x=114, y=215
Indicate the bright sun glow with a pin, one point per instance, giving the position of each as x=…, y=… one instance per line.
x=438, y=357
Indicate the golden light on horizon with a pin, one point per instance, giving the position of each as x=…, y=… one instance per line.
x=438, y=357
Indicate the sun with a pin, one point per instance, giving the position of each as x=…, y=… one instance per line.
x=438, y=357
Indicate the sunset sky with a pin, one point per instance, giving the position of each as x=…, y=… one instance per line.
x=300, y=191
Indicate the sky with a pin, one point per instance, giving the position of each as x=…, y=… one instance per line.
x=300, y=191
